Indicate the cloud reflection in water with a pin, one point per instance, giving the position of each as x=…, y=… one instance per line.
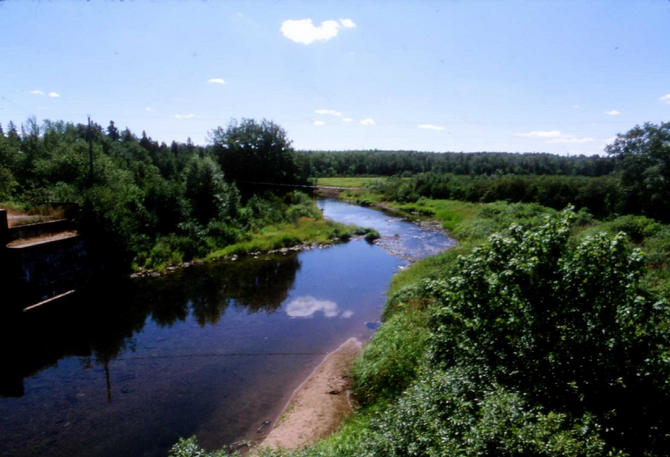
x=307, y=305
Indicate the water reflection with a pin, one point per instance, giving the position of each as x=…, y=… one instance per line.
x=98, y=324
x=307, y=306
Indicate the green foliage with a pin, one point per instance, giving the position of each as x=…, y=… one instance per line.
x=643, y=155
x=566, y=324
x=636, y=227
x=389, y=163
x=458, y=413
x=147, y=204
x=390, y=359
x=188, y=447
x=601, y=195
x=208, y=195
x=250, y=151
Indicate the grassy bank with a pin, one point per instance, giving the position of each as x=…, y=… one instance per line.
x=269, y=225
x=284, y=235
x=354, y=181
x=548, y=339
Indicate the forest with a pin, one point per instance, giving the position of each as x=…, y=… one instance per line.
x=141, y=203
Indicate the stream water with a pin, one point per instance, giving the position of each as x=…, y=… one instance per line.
x=215, y=351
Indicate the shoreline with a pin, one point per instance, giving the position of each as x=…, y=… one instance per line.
x=307, y=246
x=319, y=404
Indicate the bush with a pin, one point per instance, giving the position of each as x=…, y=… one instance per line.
x=459, y=412
x=566, y=324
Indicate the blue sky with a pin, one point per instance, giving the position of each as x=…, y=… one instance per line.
x=552, y=76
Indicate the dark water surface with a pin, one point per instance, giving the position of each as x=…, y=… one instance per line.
x=124, y=369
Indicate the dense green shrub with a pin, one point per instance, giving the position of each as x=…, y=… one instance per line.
x=460, y=412
x=567, y=325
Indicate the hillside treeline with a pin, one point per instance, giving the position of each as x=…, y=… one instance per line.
x=138, y=200
x=602, y=196
x=638, y=180
x=388, y=163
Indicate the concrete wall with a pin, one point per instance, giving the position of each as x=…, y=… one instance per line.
x=3, y=227
x=36, y=272
x=39, y=228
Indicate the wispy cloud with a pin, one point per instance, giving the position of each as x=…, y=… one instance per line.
x=184, y=116
x=430, y=127
x=665, y=98
x=347, y=119
x=367, y=121
x=318, y=123
x=53, y=95
x=148, y=109
x=613, y=112
x=555, y=137
x=570, y=140
x=216, y=81
x=328, y=112
x=541, y=134
x=304, y=31
x=37, y=92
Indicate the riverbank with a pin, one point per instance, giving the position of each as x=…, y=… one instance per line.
x=320, y=404
x=304, y=234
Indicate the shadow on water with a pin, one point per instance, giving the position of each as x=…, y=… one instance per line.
x=99, y=321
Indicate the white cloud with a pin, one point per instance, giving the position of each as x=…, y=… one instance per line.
x=184, y=116
x=305, y=32
x=53, y=95
x=367, y=121
x=347, y=314
x=148, y=109
x=569, y=139
x=665, y=98
x=307, y=305
x=613, y=112
x=37, y=92
x=216, y=81
x=555, y=137
x=347, y=119
x=329, y=112
x=318, y=123
x=541, y=134
x=430, y=127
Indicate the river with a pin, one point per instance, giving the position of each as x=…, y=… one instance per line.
x=215, y=351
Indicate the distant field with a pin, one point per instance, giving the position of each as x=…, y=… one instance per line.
x=356, y=181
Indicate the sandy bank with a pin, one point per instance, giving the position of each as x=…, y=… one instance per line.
x=319, y=404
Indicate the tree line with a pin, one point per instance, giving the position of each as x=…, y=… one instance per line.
x=638, y=183
x=140, y=200
x=389, y=163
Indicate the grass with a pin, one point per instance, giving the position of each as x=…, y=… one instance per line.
x=277, y=236
x=357, y=181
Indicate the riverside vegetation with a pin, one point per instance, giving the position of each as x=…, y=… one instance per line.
x=543, y=333
x=141, y=204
